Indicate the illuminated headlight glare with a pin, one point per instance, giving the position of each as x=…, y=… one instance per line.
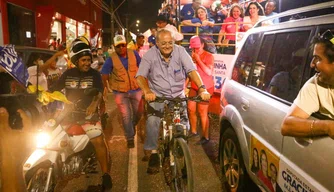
x=42, y=139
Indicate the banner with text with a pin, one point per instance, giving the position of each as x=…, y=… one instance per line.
x=222, y=67
x=13, y=64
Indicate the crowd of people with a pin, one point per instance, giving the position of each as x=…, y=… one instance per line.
x=167, y=69
x=218, y=24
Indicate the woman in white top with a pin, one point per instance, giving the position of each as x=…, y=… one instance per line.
x=253, y=14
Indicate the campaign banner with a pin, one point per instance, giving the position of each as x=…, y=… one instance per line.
x=222, y=67
x=264, y=164
x=13, y=64
x=293, y=179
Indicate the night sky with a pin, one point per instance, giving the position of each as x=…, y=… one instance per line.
x=143, y=10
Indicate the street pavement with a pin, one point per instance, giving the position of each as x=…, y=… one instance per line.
x=205, y=175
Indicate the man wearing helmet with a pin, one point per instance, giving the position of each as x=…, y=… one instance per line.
x=75, y=81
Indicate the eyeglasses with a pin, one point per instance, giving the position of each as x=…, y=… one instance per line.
x=328, y=35
x=121, y=45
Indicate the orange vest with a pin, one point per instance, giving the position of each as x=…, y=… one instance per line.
x=120, y=79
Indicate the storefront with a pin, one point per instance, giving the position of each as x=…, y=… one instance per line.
x=40, y=23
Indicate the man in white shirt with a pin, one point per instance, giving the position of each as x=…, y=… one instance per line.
x=317, y=95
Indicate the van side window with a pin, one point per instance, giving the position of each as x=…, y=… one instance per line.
x=283, y=71
x=244, y=61
x=261, y=63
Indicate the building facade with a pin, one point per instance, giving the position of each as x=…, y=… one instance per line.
x=37, y=22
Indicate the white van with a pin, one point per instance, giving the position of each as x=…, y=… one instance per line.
x=269, y=68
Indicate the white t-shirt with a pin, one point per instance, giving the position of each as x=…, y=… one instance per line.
x=32, y=71
x=315, y=98
x=53, y=76
x=250, y=24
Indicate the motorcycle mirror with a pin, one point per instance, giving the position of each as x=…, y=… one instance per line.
x=91, y=92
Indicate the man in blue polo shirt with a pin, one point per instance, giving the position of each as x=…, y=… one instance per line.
x=188, y=12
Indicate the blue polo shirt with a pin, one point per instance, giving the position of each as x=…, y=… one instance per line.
x=188, y=13
x=276, y=20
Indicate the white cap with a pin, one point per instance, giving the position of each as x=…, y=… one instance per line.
x=119, y=39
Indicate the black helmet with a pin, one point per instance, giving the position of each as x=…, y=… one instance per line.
x=79, y=49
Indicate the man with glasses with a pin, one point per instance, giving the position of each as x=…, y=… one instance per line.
x=317, y=95
x=163, y=72
x=118, y=75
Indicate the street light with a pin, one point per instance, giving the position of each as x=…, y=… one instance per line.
x=137, y=25
x=138, y=30
x=138, y=21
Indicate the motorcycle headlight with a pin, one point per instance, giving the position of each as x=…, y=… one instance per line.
x=42, y=139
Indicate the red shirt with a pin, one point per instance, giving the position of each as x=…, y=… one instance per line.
x=265, y=180
x=230, y=28
x=207, y=59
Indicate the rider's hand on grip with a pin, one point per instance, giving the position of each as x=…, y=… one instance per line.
x=205, y=95
x=149, y=96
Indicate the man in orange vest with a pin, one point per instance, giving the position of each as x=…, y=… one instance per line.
x=118, y=75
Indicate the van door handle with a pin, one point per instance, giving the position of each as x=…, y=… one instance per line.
x=303, y=142
x=244, y=104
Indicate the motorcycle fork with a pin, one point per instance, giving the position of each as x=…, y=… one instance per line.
x=48, y=179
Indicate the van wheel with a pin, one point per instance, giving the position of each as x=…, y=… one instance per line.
x=231, y=162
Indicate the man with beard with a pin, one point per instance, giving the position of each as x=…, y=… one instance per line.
x=317, y=95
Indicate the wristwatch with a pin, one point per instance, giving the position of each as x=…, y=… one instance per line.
x=202, y=86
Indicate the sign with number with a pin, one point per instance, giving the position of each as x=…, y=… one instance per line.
x=222, y=67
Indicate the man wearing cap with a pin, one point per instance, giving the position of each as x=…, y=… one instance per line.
x=163, y=24
x=204, y=63
x=162, y=72
x=118, y=74
x=75, y=81
x=151, y=38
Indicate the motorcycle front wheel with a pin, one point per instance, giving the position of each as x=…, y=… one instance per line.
x=38, y=181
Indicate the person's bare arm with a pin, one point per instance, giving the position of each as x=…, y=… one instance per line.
x=297, y=124
x=148, y=94
x=47, y=63
x=189, y=23
x=105, y=81
x=220, y=36
x=93, y=105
